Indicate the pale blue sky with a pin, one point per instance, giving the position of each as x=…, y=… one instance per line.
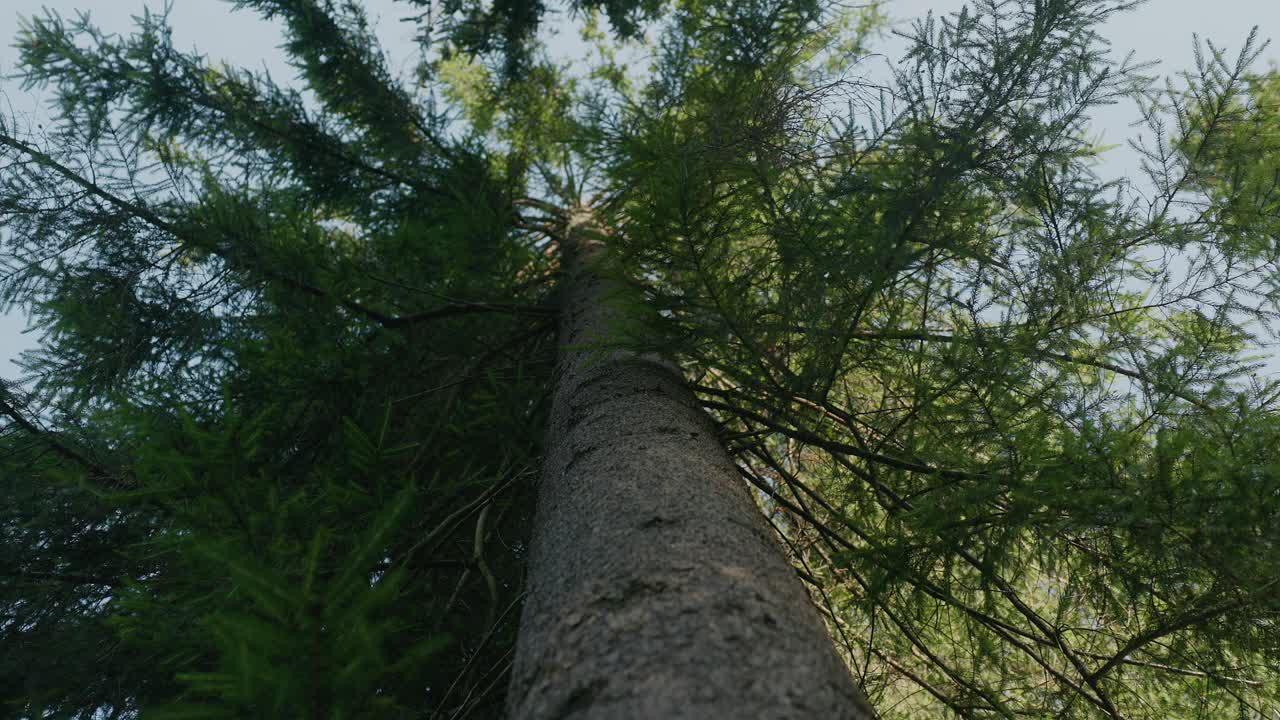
x=1161, y=30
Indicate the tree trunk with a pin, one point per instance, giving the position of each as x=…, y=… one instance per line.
x=656, y=589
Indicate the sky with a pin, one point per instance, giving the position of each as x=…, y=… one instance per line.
x=1161, y=30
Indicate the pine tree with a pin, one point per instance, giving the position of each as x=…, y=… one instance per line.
x=334, y=416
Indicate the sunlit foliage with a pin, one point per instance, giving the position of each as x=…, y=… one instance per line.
x=1010, y=419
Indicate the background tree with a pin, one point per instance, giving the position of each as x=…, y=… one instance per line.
x=275, y=453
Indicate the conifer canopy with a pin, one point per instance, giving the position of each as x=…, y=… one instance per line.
x=1012, y=421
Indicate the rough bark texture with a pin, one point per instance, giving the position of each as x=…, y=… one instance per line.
x=656, y=589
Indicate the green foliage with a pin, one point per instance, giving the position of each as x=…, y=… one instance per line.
x=273, y=457
x=919, y=316
x=507, y=30
x=297, y=621
x=295, y=467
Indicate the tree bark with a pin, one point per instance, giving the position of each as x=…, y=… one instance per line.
x=655, y=587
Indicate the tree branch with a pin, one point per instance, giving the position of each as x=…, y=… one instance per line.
x=150, y=217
